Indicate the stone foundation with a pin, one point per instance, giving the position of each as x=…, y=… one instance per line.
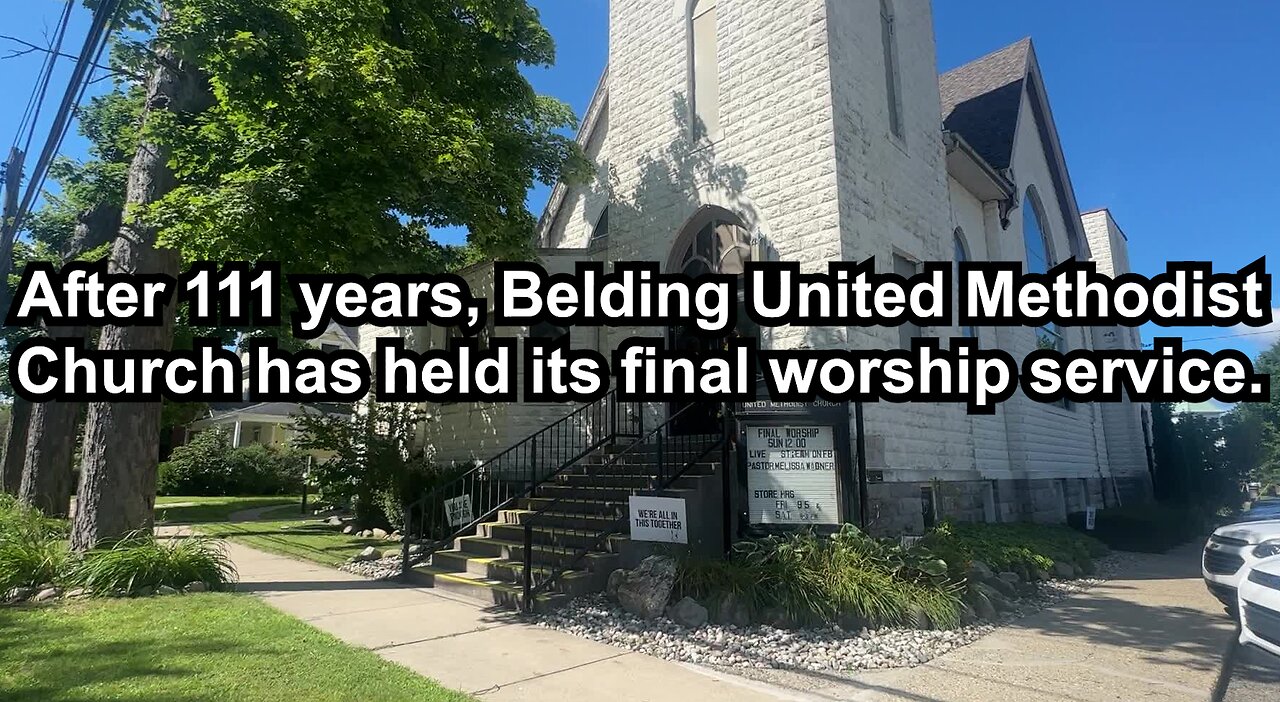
x=895, y=508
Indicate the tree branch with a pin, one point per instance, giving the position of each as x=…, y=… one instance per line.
x=14, y=53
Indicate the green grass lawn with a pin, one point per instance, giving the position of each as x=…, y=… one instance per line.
x=190, y=648
x=307, y=539
x=195, y=510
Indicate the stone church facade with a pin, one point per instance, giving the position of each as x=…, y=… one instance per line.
x=820, y=130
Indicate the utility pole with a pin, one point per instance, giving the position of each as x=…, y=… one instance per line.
x=12, y=182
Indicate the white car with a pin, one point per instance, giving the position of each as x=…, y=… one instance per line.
x=1232, y=550
x=1260, y=606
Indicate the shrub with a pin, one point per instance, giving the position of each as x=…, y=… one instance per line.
x=33, y=548
x=1021, y=548
x=1152, y=528
x=208, y=465
x=828, y=579
x=144, y=561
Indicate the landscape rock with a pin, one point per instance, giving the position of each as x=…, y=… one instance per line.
x=366, y=534
x=334, y=521
x=758, y=646
x=731, y=610
x=1010, y=577
x=981, y=604
x=46, y=594
x=979, y=571
x=196, y=586
x=348, y=529
x=378, y=533
x=391, y=553
x=144, y=591
x=415, y=549
x=1064, y=570
x=616, y=579
x=920, y=618
x=688, y=613
x=1041, y=575
x=1001, y=586
x=644, y=591
x=166, y=590
x=19, y=594
x=76, y=593
x=368, y=554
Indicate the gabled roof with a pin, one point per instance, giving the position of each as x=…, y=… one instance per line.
x=981, y=99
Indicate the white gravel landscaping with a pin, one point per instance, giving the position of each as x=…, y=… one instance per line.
x=760, y=646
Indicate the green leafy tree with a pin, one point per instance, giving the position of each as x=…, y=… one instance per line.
x=330, y=136
x=372, y=451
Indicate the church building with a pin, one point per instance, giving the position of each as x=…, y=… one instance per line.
x=727, y=131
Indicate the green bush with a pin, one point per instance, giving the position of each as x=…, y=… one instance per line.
x=415, y=483
x=208, y=465
x=144, y=561
x=811, y=578
x=33, y=548
x=33, y=551
x=1151, y=528
x=1021, y=548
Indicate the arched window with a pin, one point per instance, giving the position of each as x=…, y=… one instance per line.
x=720, y=246
x=1039, y=260
x=889, y=42
x=601, y=230
x=962, y=255
x=704, y=73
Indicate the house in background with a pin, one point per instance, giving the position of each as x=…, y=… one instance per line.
x=272, y=423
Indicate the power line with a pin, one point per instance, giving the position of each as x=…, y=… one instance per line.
x=94, y=43
x=36, y=102
x=1225, y=336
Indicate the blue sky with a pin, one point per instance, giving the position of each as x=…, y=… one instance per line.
x=1167, y=109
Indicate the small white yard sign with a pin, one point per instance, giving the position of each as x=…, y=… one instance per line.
x=659, y=519
x=458, y=510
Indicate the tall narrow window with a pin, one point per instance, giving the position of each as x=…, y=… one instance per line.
x=1039, y=260
x=907, y=331
x=601, y=230
x=888, y=37
x=962, y=255
x=705, y=73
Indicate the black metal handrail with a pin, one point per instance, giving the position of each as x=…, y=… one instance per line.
x=674, y=454
x=516, y=472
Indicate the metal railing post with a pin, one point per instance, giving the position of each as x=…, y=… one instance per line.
x=527, y=575
x=405, y=538
x=533, y=464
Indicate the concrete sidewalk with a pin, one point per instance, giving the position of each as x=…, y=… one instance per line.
x=1152, y=633
x=488, y=653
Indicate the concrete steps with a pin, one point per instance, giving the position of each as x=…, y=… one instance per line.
x=573, y=509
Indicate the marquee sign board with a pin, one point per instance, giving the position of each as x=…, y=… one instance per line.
x=791, y=474
x=795, y=466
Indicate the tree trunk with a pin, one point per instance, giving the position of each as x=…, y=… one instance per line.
x=16, y=445
x=118, y=471
x=51, y=444
x=51, y=434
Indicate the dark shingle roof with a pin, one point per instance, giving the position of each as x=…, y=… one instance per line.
x=980, y=101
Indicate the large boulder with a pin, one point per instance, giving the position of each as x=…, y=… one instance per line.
x=378, y=533
x=981, y=604
x=1062, y=569
x=1002, y=586
x=644, y=591
x=979, y=571
x=616, y=578
x=688, y=613
x=732, y=610
x=368, y=554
